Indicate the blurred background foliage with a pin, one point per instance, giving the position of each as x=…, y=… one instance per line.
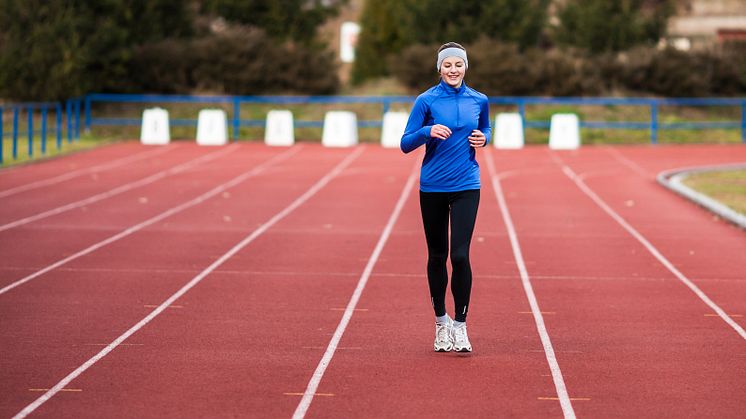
x=594, y=47
x=605, y=26
x=58, y=49
x=497, y=68
x=390, y=26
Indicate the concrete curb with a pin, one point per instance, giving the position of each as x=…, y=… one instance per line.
x=673, y=180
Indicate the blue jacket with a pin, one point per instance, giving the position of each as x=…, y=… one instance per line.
x=449, y=165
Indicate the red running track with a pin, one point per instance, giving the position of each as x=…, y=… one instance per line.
x=271, y=261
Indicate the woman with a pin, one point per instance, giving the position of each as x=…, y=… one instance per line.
x=452, y=120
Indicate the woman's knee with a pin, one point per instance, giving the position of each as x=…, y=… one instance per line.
x=437, y=258
x=460, y=257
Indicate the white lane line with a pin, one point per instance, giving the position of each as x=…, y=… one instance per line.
x=121, y=189
x=196, y=280
x=318, y=374
x=621, y=158
x=198, y=200
x=652, y=249
x=328, y=274
x=559, y=382
x=81, y=172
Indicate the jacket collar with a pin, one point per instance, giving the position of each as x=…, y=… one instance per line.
x=451, y=90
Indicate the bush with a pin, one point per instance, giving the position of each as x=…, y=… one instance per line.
x=736, y=52
x=562, y=73
x=390, y=26
x=164, y=67
x=241, y=62
x=296, y=20
x=606, y=26
x=52, y=50
x=415, y=66
x=500, y=69
x=674, y=73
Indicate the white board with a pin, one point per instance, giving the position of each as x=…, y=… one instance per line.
x=564, y=132
x=212, y=127
x=279, y=130
x=509, y=131
x=348, y=36
x=394, y=124
x=155, y=128
x=340, y=129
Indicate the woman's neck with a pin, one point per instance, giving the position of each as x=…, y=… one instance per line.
x=457, y=87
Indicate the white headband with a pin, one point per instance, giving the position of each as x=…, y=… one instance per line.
x=452, y=52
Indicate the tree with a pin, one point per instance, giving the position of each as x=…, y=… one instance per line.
x=296, y=20
x=609, y=26
x=517, y=21
x=56, y=49
x=389, y=26
x=384, y=33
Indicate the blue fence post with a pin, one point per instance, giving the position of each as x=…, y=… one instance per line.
x=522, y=112
x=68, y=116
x=15, y=133
x=2, y=135
x=30, y=133
x=236, y=117
x=654, y=122
x=743, y=122
x=73, y=109
x=77, y=119
x=87, y=114
x=58, y=125
x=44, y=130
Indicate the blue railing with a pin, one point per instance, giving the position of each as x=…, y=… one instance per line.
x=654, y=104
x=68, y=114
x=68, y=111
x=654, y=125
x=235, y=102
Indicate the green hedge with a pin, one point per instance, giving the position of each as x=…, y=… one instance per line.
x=502, y=69
x=242, y=62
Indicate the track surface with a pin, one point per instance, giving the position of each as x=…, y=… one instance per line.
x=272, y=243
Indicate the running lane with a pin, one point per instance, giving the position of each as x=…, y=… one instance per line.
x=255, y=328
x=650, y=160
x=385, y=365
x=707, y=250
x=39, y=200
x=20, y=176
x=57, y=237
x=631, y=339
x=52, y=326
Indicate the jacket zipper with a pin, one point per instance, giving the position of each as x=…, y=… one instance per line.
x=458, y=112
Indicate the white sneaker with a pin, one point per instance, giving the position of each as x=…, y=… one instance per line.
x=443, y=336
x=460, y=339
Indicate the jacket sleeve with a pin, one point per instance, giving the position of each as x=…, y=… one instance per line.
x=484, y=121
x=415, y=134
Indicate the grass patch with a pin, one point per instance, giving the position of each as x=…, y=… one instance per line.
x=727, y=187
x=52, y=150
x=184, y=117
x=374, y=112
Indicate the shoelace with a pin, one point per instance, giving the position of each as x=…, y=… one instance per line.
x=442, y=332
x=459, y=334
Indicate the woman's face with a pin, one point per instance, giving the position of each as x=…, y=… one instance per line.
x=452, y=71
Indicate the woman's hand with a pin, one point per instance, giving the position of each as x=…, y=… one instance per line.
x=440, y=131
x=477, y=138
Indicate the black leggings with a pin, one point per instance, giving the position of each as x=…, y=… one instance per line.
x=436, y=208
